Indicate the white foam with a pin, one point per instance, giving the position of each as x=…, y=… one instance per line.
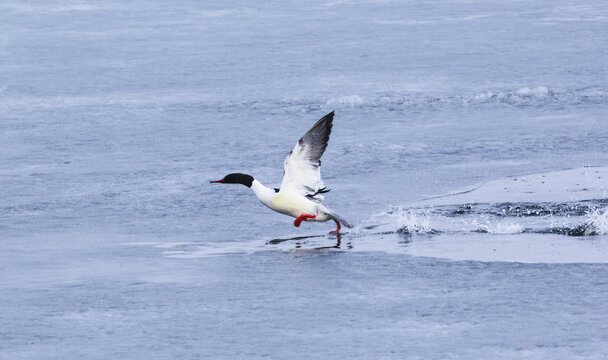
x=598, y=221
x=414, y=222
x=522, y=96
x=499, y=227
x=540, y=91
x=351, y=100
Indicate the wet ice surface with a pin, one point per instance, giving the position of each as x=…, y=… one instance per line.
x=469, y=147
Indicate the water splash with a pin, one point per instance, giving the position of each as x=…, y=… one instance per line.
x=597, y=221
x=497, y=227
x=414, y=222
x=578, y=219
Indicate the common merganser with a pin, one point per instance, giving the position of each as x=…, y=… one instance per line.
x=301, y=190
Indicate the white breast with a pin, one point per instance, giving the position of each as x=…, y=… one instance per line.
x=292, y=205
x=289, y=203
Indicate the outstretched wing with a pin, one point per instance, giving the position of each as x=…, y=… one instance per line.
x=303, y=164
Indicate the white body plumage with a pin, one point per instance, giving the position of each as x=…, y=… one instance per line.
x=290, y=203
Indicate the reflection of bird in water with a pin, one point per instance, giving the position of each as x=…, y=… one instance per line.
x=299, y=243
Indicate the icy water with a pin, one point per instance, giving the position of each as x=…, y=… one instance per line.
x=470, y=148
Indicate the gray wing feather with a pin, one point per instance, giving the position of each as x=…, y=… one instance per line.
x=303, y=164
x=315, y=140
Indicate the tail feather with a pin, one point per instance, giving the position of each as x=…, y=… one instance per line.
x=341, y=220
x=333, y=214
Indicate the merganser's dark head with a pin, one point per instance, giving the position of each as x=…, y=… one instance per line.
x=236, y=178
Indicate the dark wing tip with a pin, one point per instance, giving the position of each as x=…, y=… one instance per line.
x=323, y=126
x=315, y=140
x=329, y=117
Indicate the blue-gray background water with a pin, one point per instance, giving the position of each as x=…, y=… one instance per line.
x=114, y=116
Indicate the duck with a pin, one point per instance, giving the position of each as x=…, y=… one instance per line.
x=300, y=194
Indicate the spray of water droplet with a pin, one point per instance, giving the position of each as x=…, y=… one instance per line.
x=497, y=227
x=597, y=222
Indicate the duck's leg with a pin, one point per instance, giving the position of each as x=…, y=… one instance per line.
x=337, y=231
x=301, y=218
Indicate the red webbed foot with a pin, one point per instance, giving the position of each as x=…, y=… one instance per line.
x=301, y=218
x=337, y=231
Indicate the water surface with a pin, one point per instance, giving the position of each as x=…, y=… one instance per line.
x=469, y=147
